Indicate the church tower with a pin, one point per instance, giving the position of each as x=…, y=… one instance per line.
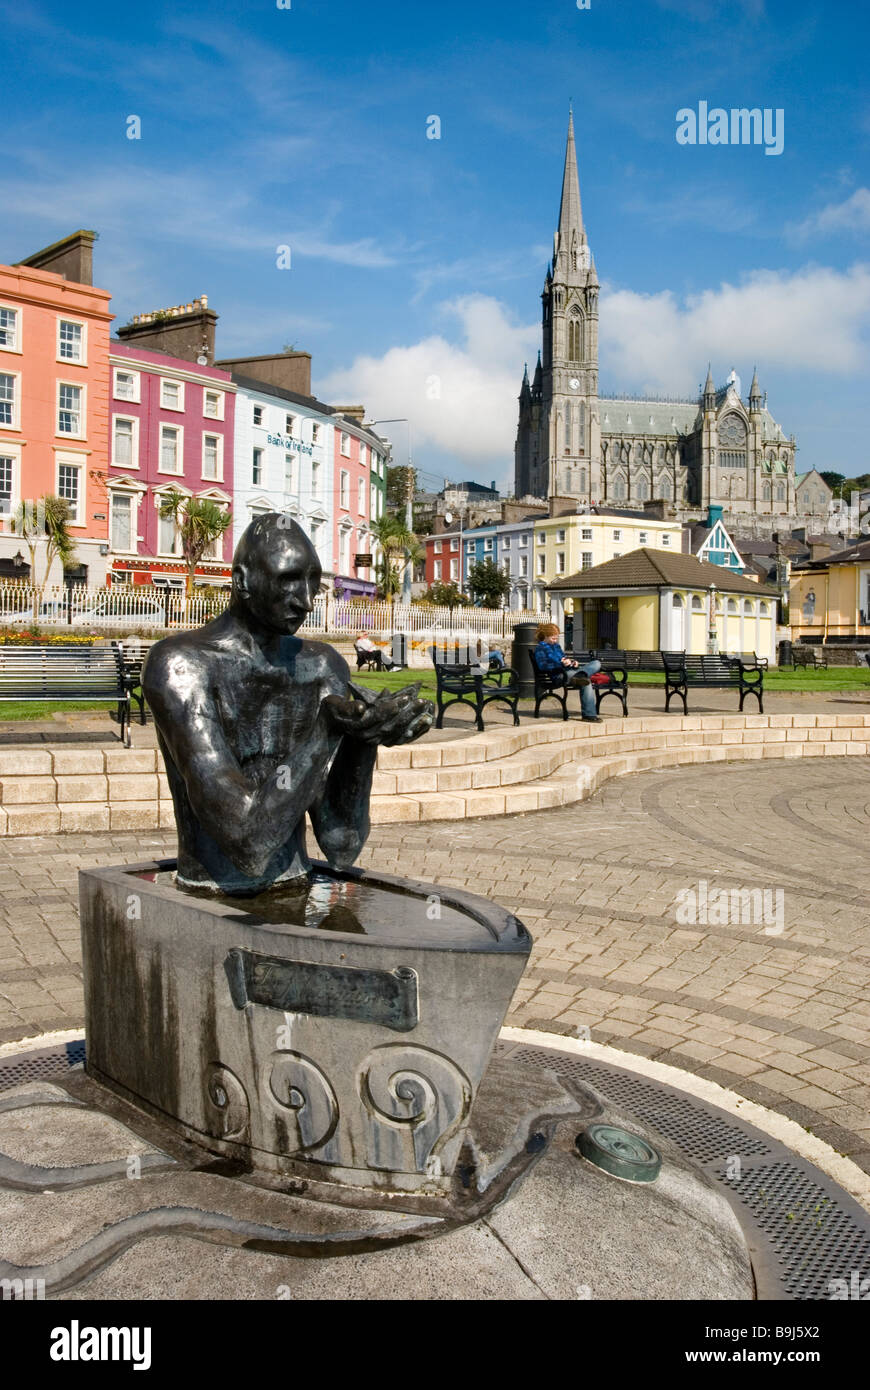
x=558, y=445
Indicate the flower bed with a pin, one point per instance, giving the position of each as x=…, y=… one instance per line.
x=15, y=638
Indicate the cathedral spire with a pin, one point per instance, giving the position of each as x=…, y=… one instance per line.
x=570, y=235
x=755, y=391
x=709, y=387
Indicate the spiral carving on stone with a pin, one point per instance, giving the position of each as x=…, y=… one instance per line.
x=416, y=1098
x=307, y=1103
x=226, y=1106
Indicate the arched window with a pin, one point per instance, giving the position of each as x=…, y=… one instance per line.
x=747, y=607
x=567, y=482
x=764, y=609
x=581, y=428
x=765, y=492
x=678, y=601
x=641, y=490
x=575, y=338
x=663, y=490
x=780, y=492
x=732, y=605
x=697, y=605
x=618, y=489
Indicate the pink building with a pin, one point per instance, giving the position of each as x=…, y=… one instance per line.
x=359, y=477
x=171, y=426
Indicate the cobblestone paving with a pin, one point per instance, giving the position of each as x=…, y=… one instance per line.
x=781, y=1017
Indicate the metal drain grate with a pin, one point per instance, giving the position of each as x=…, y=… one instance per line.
x=671, y=1114
x=34, y=1066
x=815, y=1241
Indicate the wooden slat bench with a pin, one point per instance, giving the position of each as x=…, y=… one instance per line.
x=66, y=674
x=467, y=684
x=684, y=670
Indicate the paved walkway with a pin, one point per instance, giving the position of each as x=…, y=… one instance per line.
x=780, y=1016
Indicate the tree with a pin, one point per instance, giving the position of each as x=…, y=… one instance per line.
x=834, y=480
x=199, y=522
x=446, y=595
x=46, y=520
x=401, y=484
x=488, y=584
x=398, y=548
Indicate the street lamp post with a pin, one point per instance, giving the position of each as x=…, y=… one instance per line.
x=712, y=635
x=409, y=504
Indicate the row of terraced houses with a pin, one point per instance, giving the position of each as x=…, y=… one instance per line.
x=114, y=423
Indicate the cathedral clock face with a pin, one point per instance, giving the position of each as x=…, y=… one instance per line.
x=574, y=383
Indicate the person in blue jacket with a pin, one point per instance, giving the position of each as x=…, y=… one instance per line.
x=549, y=656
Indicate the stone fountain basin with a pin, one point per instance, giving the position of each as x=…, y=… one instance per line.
x=336, y=1031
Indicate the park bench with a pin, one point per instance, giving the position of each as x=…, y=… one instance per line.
x=466, y=683
x=805, y=655
x=684, y=670
x=133, y=654
x=67, y=673
x=556, y=684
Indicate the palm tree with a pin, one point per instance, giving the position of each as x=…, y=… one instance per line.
x=47, y=520
x=398, y=544
x=199, y=522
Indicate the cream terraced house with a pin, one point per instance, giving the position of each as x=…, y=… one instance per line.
x=564, y=545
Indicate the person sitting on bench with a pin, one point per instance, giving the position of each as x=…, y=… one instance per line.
x=365, y=647
x=550, y=658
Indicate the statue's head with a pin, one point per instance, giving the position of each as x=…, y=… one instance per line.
x=276, y=573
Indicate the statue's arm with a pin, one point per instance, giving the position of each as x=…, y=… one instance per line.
x=340, y=815
x=248, y=821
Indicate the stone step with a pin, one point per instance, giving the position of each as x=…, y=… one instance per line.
x=547, y=763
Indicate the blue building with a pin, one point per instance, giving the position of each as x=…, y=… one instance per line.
x=710, y=541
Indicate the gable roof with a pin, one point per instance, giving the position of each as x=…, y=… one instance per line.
x=653, y=569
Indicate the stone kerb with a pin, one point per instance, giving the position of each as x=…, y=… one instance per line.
x=547, y=763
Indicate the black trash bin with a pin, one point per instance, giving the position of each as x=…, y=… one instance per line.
x=521, y=658
x=785, y=650
x=399, y=649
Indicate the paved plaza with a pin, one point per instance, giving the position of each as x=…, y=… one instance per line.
x=777, y=1008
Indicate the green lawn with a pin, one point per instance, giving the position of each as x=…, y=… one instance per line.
x=44, y=709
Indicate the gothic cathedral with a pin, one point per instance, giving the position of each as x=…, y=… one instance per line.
x=575, y=443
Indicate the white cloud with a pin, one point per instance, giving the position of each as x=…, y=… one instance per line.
x=461, y=396
x=851, y=215
x=811, y=319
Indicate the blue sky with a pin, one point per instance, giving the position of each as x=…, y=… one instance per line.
x=417, y=264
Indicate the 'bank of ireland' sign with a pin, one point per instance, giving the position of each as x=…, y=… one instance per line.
x=286, y=441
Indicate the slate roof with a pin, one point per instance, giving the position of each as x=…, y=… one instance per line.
x=859, y=552
x=648, y=569
x=641, y=417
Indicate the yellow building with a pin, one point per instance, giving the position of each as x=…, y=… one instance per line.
x=564, y=545
x=650, y=600
x=831, y=598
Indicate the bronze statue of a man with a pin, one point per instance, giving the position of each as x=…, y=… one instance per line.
x=258, y=726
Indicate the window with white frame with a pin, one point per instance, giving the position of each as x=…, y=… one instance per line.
x=437, y=547
x=373, y=501
x=542, y=538
x=10, y=329
x=523, y=540
x=487, y=544
x=9, y=399
x=257, y=467
x=70, y=408
x=586, y=560
x=586, y=533
x=213, y=457
x=524, y=564
x=167, y=532
x=69, y=489
x=560, y=562
x=170, y=449
x=70, y=340
x=315, y=432
x=506, y=566
x=469, y=547
x=362, y=453
x=213, y=405
x=171, y=394
x=454, y=545
x=666, y=540
x=258, y=415
x=316, y=533
x=617, y=535
x=125, y=442
x=289, y=424
x=505, y=542
x=344, y=550
x=126, y=386
x=560, y=537
x=344, y=490
x=121, y=514
x=7, y=483
x=454, y=569
x=436, y=569
x=345, y=444
x=642, y=538
x=315, y=479
x=289, y=473
x=542, y=564
x=361, y=496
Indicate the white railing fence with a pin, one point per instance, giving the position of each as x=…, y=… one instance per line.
x=135, y=607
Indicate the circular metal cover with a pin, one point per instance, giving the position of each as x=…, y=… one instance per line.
x=620, y=1152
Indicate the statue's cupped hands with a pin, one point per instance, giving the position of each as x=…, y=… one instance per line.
x=388, y=717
